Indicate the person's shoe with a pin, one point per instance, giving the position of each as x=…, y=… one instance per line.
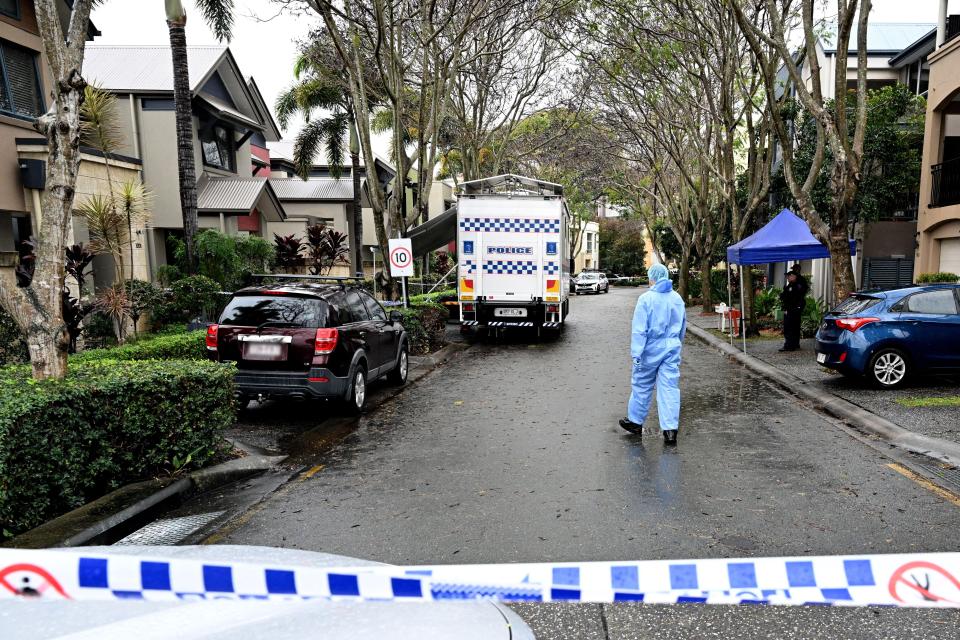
x=670, y=437
x=632, y=427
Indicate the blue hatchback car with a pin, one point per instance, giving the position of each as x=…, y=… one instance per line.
x=890, y=335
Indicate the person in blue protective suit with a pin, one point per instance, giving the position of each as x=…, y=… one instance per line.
x=659, y=325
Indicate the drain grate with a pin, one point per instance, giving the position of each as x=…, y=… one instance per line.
x=169, y=531
x=949, y=477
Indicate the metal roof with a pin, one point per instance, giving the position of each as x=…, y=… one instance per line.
x=135, y=68
x=313, y=189
x=882, y=37
x=510, y=183
x=229, y=194
x=224, y=111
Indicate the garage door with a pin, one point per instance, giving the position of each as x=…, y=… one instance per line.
x=950, y=255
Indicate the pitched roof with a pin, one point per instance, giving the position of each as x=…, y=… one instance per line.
x=313, y=189
x=230, y=195
x=136, y=68
x=882, y=37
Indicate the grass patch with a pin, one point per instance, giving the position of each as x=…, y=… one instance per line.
x=946, y=401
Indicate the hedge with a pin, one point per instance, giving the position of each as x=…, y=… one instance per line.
x=164, y=346
x=66, y=442
x=930, y=278
x=426, y=326
x=433, y=296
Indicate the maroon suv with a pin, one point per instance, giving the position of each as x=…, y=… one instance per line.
x=306, y=340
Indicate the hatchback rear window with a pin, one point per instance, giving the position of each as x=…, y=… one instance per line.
x=276, y=311
x=855, y=304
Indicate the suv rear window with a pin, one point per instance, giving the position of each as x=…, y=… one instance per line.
x=276, y=311
x=855, y=304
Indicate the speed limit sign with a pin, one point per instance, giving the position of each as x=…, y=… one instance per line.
x=401, y=257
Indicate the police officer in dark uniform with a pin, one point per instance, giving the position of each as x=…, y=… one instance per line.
x=792, y=299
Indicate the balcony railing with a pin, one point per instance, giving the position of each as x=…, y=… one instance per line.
x=953, y=27
x=946, y=183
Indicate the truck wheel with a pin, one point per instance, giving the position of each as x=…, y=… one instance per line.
x=399, y=374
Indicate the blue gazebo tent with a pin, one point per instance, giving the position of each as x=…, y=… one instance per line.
x=785, y=238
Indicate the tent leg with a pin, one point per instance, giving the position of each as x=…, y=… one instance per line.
x=743, y=324
x=730, y=299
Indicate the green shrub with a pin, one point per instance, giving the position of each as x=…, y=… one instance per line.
x=164, y=346
x=426, y=326
x=930, y=278
x=66, y=442
x=188, y=298
x=432, y=297
x=631, y=282
x=766, y=301
x=13, y=348
x=813, y=312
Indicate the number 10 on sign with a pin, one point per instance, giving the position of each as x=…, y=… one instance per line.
x=401, y=261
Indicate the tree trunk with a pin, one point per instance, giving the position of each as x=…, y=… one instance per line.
x=706, y=290
x=183, y=106
x=683, y=278
x=843, y=280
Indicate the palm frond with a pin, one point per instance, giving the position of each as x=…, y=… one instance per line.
x=307, y=146
x=218, y=14
x=134, y=199
x=107, y=227
x=337, y=129
x=286, y=107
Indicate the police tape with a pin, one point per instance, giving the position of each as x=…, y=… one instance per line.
x=911, y=580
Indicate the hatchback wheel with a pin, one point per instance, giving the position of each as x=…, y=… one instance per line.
x=888, y=368
x=399, y=374
x=357, y=398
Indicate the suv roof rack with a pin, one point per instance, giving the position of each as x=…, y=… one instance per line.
x=298, y=276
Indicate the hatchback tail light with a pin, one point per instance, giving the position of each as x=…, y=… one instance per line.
x=325, y=342
x=212, y=332
x=852, y=324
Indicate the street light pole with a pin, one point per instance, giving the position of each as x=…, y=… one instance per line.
x=373, y=252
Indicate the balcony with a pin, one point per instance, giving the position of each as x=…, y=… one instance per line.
x=946, y=183
x=953, y=27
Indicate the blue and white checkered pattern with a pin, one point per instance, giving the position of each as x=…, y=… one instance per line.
x=890, y=580
x=523, y=225
x=467, y=267
x=510, y=266
x=551, y=268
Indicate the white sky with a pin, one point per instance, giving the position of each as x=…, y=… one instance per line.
x=266, y=50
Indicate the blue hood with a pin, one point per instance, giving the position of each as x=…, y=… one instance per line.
x=662, y=286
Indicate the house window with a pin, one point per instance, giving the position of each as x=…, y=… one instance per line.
x=20, y=95
x=218, y=148
x=589, y=243
x=10, y=8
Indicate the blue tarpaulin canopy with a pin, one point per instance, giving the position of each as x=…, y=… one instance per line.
x=783, y=239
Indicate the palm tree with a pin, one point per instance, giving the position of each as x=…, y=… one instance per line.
x=315, y=91
x=218, y=14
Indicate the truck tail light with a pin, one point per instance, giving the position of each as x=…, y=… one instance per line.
x=212, y=332
x=553, y=308
x=325, y=342
x=467, y=306
x=852, y=324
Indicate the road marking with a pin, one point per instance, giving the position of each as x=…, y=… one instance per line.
x=312, y=471
x=949, y=496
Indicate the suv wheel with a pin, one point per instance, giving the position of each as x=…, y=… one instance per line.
x=399, y=374
x=888, y=368
x=357, y=395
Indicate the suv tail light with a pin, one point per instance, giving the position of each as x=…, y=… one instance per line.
x=212, y=332
x=325, y=342
x=852, y=324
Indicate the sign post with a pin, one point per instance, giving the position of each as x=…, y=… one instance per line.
x=401, y=261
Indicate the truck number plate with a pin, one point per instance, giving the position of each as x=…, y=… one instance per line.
x=510, y=313
x=263, y=351
x=821, y=358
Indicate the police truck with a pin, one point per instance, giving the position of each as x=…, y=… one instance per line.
x=513, y=254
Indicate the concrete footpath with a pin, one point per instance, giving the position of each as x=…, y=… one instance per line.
x=932, y=431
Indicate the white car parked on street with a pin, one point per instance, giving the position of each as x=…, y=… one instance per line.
x=591, y=282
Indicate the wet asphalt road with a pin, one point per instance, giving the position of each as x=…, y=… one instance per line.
x=511, y=453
